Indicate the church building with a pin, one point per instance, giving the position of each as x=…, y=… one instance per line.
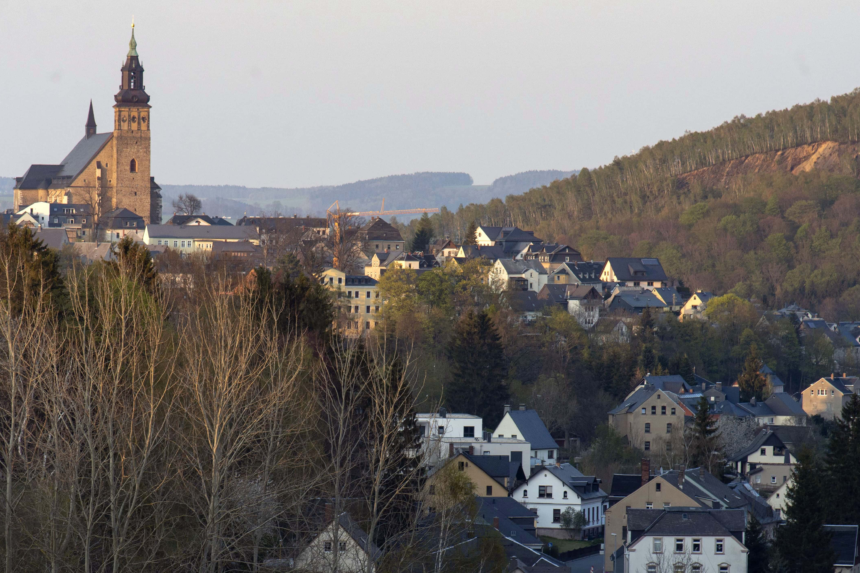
x=106, y=171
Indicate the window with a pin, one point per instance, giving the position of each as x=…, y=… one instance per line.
x=647, y=446
x=159, y=241
x=673, y=411
x=339, y=280
x=56, y=219
x=132, y=167
x=662, y=410
x=764, y=451
x=556, y=516
x=367, y=309
x=71, y=221
x=668, y=428
x=513, y=436
x=647, y=428
x=367, y=325
x=643, y=411
x=564, y=495
x=489, y=490
x=175, y=243
x=679, y=545
x=342, y=545
x=758, y=479
x=469, y=432
x=772, y=479
x=679, y=568
x=652, y=568
x=653, y=410
x=367, y=294
x=649, y=505
x=666, y=505
x=525, y=493
x=724, y=568
x=355, y=310
x=696, y=568
x=658, y=486
x=658, y=544
x=183, y=244
x=720, y=547
x=440, y=430
x=461, y=466
x=327, y=546
x=376, y=309
x=396, y=247
x=545, y=492
x=551, y=454
x=349, y=294
x=697, y=545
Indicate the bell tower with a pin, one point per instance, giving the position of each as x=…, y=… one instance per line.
x=131, y=140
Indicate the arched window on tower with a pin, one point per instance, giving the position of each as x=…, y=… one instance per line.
x=133, y=166
x=131, y=80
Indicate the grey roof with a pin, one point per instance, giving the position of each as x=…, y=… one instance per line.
x=359, y=280
x=498, y=467
x=513, y=267
x=583, y=272
x=359, y=536
x=587, y=487
x=843, y=384
x=183, y=219
x=771, y=376
x=527, y=301
x=507, y=509
x=729, y=408
x=640, y=395
x=782, y=404
x=670, y=296
x=562, y=293
x=52, y=238
x=631, y=269
x=686, y=521
x=118, y=218
x=509, y=234
x=762, y=438
x=532, y=429
x=850, y=333
x=759, y=409
x=203, y=232
x=844, y=542
x=672, y=383
x=636, y=300
x=82, y=154
x=624, y=484
x=705, y=488
x=492, y=253
x=380, y=230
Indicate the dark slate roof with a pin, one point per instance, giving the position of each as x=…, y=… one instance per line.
x=640, y=395
x=526, y=301
x=759, y=409
x=844, y=385
x=359, y=536
x=783, y=404
x=624, y=269
x=82, y=154
x=624, y=484
x=52, y=238
x=492, y=253
x=560, y=294
x=509, y=234
x=283, y=223
x=762, y=438
x=729, y=409
x=183, y=219
x=844, y=543
x=39, y=177
x=519, y=267
x=494, y=466
x=686, y=521
x=771, y=376
x=635, y=300
x=584, y=272
x=706, y=488
x=672, y=383
x=506, y=508
x=586, y=487
x=118, y=218
x=380, y=230
x=532, y=429
x=359, y=280
x=531, y=560
x=850, y=332
x=794, y=436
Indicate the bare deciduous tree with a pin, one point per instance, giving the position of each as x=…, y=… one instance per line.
x=187, y=204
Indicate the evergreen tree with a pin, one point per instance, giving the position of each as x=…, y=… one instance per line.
x=705, y=438
x=752, y=383
x=33, y=272
x=471, y=234
x=842, y=464
x=134, y=258
x=681, y=366
x=423, y=236
x=477, y=385
x=758, y=560
x=802, y=543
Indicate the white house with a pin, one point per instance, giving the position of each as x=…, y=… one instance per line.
x=527, y=425
x=342, y=546
x=777, y=498
x=551, y=490
x=766, y=462
x=517, y=275
x=197, y=238
x=694, y=540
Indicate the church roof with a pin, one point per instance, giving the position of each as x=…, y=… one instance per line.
x=47, y=176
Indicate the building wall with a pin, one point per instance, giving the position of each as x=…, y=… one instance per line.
x=354, y=323
x=508, y=429
x=131, y=140
x=641, y=554
x=585, y=312
x=616, y=516
x=633, y=424
x=777, y=499
x=481, y=480
x=828, y=406
x=315, y=558
x=528, y=495
x=770, y=477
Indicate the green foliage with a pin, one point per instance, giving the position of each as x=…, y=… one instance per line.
x=572, y=519
x=705, y=438
x=802, y=543
x=134, y=260
x=471, y=234
x=752, y=383
x=423, y=236
x=33, y=272
x=302, y=304
x=694, y=214
x=842, y=463
x=758, y=559
x=477, y=384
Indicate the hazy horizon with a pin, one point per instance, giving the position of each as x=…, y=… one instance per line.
x=301, y=94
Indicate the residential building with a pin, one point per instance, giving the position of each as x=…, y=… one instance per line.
x=527, y=304
x=582, y=301
x=508, y=274
x=777, y=499
x=527, y=425
x=201, y=219
x=651, y=420
x=489, y=252
x=491, y=236
x=119, y=223
x=341, y=546
x=380, y=262
x=359, y=300
x=244, y=252
x=552, y=255
x=827, y=396
x=493, y=476
x=843, y=539
x=552, y=489
x=444, y=248
x=294, y=226
x=379, y=236
x=675, y=488
x=766, y=462
x=669, y=296
x=635, y=273
x=634, y=301
x=196, y=238
x=773, y=381
x=695, y=306
x=511, y=518
x=780, y=409
x=610, y=329
x=114, y=166
x=699, y=540
x=578, y=273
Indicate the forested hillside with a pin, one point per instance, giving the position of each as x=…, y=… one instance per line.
x=766, y=206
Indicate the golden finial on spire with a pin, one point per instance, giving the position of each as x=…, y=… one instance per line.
x=132, y=20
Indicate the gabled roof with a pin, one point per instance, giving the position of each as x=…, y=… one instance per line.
x=639, y=396
x=584, y=272
x=686, y=521
x=359, y=536
x=631, y=269
x=380, y=230
x=526, y=301
x=509, y=234
x=184, y=219
x=669, y=295
x=624, y=484
x=492, y=253
x=635, y=300
x=532, y=429
x=705, y=488
x=513, y=267
x=843, y=539
x=763, y=437
x=672, y=383
x=782, y=404
x=119, y=217
x=843, y=384
x=52, y=238
x=506, y=509
x=771, y=376
x=82, y=154
x=586, y=487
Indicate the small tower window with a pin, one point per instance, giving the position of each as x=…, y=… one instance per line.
x=133, y=166
x=131, y=80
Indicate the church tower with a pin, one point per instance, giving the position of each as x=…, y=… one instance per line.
x=132, y=188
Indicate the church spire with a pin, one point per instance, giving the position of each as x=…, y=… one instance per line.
x=132, y=44
x=91, y=122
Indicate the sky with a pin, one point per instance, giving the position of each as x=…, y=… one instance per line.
x=301, y=93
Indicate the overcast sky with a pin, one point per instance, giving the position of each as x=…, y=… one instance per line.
x=300, y=93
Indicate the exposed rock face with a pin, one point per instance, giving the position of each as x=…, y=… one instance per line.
x=827, y=155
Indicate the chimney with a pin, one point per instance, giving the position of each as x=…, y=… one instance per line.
x=832, y=375
x=471, y=450
x=845, y=375
x=703, y=387
x=507, y=408
x=522, y=406
x=495, y=523
x=681, y=477
x=329, y=513
x=443, y=413
x=646, y=470
x=450, y=450
x=752, y=401
x=701, y=472
x=719, y=386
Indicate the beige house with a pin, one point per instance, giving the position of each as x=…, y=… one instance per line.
x=493, y=476
x=695, y=307
x=636, y=273
x=342, y=546
x=380, y=262
x=359, y=301
x=651, y=419
x=777, y=498
x=826, y=397
x=379, y=236
x=765, y=462
x=197, y=238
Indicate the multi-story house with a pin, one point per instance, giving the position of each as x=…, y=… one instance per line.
x=553, y=489
x=493, y=476
x=780, y=409
x=552, y=255
x=527, y=425
x=583, y=302
x=196, y=238
x=492, y=236
x=379, y=236
x=695, y=307
x=766, y=462
x=634, y=273
x=359, y=300
x=827, y=396
x=692, y=539
x=380, y=262
x=517, y=275
x=578, y=273
x=651, y=419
